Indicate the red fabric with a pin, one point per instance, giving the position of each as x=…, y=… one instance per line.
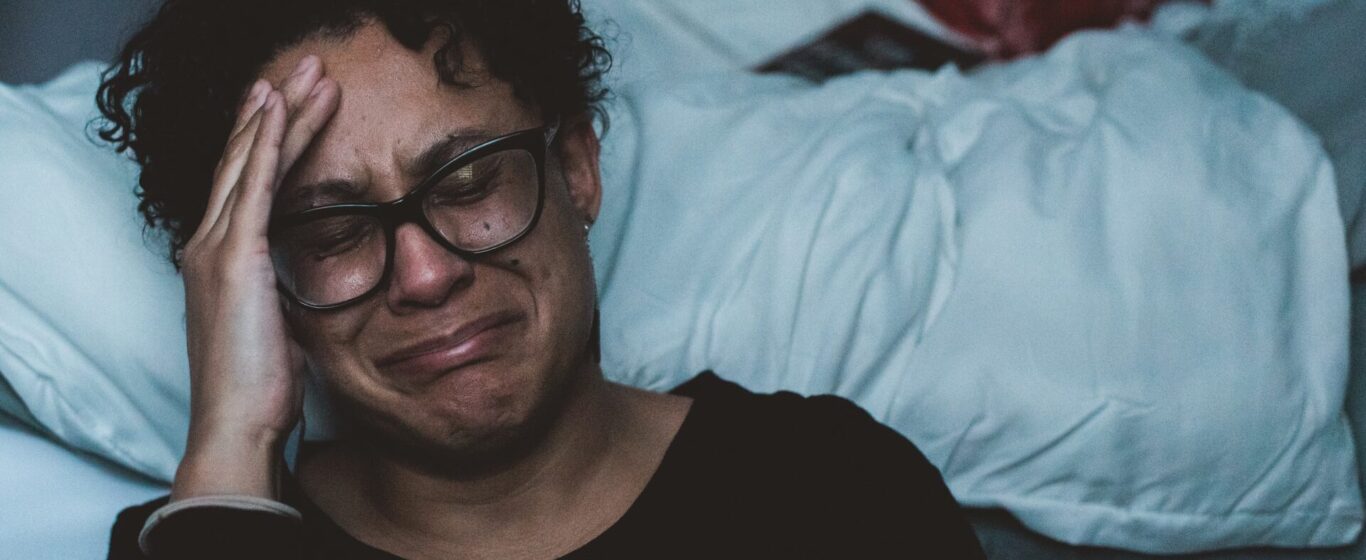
x=1009, y=28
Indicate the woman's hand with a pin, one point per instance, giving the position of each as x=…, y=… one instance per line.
x=246, y=373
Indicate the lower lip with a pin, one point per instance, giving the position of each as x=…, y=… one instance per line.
x=475, y=349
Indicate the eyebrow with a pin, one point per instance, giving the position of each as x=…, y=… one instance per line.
x=331, y=191
x=453, y=144
x=322, y=192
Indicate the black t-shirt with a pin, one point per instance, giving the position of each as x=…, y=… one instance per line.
x=747, y=476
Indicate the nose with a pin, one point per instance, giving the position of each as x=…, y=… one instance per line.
x=425, y=274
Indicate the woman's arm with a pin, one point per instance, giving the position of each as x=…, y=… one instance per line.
x=245, y=370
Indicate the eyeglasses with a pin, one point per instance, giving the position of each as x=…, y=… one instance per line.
x=480, y=201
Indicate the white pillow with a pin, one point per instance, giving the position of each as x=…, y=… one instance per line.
x=91, y=315
x=1147, y=344
x=1105, y=289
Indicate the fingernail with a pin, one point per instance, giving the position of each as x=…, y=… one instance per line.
x=271, y=101
x=305, y=65
x=258, y=89
x=317, y=89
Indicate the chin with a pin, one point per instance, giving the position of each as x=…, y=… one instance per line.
x=466, y=423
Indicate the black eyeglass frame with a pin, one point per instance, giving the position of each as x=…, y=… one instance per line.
x=408, y=208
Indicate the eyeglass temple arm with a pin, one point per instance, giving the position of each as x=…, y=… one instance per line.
x=551, y=130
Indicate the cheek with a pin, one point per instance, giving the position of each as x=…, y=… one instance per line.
x=562, y=277
x=328, y=339
x=559, y=262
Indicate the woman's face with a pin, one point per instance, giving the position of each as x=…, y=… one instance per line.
x=455, y=356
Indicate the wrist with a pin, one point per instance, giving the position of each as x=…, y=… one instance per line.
x=218, y=462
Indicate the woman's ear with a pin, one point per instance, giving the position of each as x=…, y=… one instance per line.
x=578, y=155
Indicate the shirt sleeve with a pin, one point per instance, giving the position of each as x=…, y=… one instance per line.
x=210, y=527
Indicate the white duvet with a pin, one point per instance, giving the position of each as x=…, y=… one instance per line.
x=1105, y=289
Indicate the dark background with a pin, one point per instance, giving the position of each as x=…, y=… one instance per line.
x=39, y=38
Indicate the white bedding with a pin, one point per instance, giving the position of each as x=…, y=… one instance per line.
x=1105, y=289
x=975, y=261
x=58, y=503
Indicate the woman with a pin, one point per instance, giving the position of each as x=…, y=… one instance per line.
x=396, y=196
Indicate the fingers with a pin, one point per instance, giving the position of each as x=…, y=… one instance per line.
x=310, y=99
x=274, y=127
x=306, y=75
x=256, y=96
x=230, y=166
x=307, y=119
x=248, y=208
x=242, y=131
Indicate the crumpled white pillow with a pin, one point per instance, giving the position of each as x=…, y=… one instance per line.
x=1105, y=289
x=1147, y=344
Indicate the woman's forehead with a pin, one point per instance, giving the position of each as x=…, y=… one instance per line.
x=393, y=110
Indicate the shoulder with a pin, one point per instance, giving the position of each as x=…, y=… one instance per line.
x=825, y=464
x=832, y=431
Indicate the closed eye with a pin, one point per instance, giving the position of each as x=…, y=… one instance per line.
x=456, y=190
x=335, y=239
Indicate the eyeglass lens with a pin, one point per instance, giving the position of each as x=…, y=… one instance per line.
x=474, y=207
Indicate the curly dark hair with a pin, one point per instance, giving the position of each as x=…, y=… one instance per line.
x=172, y=94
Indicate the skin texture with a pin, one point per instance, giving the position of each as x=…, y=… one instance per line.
x=526, y=452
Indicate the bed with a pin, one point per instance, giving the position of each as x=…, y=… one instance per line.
x=70, y=491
